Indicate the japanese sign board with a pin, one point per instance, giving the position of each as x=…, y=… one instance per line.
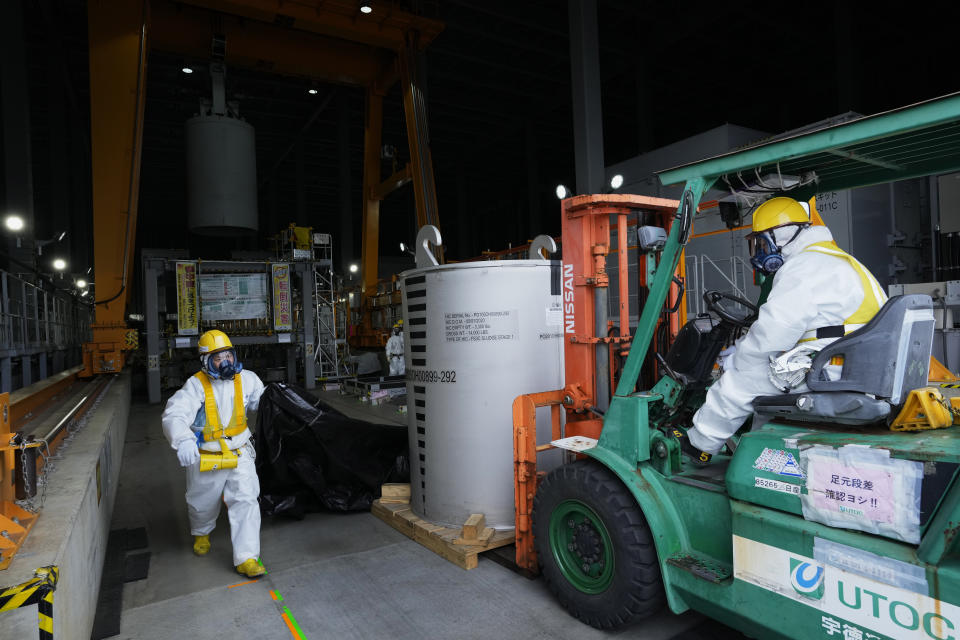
x=282, y=309
x=187, y=318
x=863, y=488
x=233, y=296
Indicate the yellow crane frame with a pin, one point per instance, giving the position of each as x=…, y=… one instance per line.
x=328, y=40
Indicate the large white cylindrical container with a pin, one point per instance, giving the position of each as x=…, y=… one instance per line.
x=221, y=175
x=477, y=335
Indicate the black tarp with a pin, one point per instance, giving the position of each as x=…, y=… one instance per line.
x=311, y=457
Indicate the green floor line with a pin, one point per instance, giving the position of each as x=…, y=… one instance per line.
x=295, y=624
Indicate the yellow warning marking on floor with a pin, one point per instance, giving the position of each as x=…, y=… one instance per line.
x=240, y=584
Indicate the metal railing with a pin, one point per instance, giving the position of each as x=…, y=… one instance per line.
x=33, y=318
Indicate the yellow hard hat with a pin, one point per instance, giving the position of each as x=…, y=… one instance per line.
x=213, y=341
x=777, y=212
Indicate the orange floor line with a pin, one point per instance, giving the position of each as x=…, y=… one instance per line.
x=290, y=626
x=240, y=584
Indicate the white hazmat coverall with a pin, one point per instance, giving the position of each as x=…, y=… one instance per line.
x=239, y=487
x=811, y=290
x=395, y=355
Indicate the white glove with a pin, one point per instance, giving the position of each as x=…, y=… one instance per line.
x=724, y=358
x=188, y=453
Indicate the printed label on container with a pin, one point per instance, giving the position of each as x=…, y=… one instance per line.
x=481, y=326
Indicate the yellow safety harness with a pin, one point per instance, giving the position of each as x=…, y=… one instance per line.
x=213, y=430
x=873, y=295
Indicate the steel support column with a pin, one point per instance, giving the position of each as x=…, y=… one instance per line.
x=585, y=80
x=152, y=270
x=118, y=59
x=344, y=115
x=533, y=179
x=372, y=136
x=413, y=80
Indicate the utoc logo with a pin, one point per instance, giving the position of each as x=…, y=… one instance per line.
x=806, y=578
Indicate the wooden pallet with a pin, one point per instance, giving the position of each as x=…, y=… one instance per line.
x=459, y=546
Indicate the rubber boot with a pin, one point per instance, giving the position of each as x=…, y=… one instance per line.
x=696, y=457
x=251, y=568
x=201, y=545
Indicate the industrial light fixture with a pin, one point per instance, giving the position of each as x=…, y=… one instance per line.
x=13, y=222
x=42, y=243
x=81, y=284
x=562, y=192
x=353, y=268
x=616, y=181
x=366, y=8
x=187, y=70
x=312, y=92
x=59, y=264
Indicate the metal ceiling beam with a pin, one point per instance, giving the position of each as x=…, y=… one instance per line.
x=188, y=31
x=384, y=28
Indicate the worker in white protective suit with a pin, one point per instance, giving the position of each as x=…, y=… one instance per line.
x=206, y=423
x=819, y=294
x=395, y=351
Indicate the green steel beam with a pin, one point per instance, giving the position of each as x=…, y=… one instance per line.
x=923, y=115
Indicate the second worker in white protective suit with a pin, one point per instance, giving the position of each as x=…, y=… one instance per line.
x=206, y=423
x=395, y=351
x=819, y=294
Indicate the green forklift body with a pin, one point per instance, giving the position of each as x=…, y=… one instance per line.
x=745, y=540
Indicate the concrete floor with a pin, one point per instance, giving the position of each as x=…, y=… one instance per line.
x=339, y=576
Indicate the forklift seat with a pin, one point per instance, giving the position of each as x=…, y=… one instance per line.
x=883, y=361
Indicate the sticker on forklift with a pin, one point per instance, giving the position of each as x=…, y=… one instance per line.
x=863, y=488
x=776, y=485
x=779, y=462
x=575, y=443
x=846, y=605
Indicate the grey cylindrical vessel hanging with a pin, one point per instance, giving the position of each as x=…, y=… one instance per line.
x=477, y=335
x=221, y=175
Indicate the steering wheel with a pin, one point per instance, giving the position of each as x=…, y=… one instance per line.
x=713, y=298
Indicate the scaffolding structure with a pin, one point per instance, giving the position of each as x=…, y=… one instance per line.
x=329, y=354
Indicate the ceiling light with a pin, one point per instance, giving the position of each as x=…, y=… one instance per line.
x=616, y=181
x=366, y=8
x=187, y=70
x=59, y=264
x=353, y=268
x=562, y=192
x=81, y=284
x=14, y=223
x=312, y=92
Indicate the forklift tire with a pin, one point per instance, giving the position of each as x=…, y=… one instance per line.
x=595, y=549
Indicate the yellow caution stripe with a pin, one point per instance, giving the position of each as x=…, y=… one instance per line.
x=39, y=591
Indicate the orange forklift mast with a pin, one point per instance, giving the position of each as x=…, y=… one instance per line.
x=588, y=345
x=586, y=227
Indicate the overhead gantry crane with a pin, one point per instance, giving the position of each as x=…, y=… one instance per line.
x=326, y=40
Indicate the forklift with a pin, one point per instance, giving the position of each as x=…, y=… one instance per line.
x=832, y=513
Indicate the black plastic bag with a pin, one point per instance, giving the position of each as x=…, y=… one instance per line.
x=311, y=456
